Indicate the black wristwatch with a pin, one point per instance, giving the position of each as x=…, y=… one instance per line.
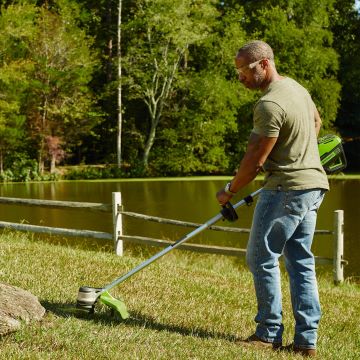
x=227, y=189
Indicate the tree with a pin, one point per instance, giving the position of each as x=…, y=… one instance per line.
x=345, y=26
x=101, y=20
x=163, y=32
x=192, y=139
x=346, y=29
x=184, y=109
x=16, y=31
x=60, y=102
x=205, y=127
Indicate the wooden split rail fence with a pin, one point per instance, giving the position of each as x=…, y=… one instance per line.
x=118, y=237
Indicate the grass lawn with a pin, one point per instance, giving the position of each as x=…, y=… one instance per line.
x=184, y=306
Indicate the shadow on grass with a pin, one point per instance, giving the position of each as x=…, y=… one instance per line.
x=146, y=321
x=107, y=317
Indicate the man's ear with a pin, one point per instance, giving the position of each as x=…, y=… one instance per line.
x=265, y=63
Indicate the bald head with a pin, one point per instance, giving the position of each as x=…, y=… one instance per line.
x=255, y=65
x=256, y=50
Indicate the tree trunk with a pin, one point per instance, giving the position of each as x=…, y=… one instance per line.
x=1, y=162
x=158, y=93
x=41, y=166
x=53, y=164
x=148, y=145
x=109, y=69
x=119, y=88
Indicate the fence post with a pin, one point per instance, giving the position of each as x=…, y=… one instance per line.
x=338, y=246
x=117, y=222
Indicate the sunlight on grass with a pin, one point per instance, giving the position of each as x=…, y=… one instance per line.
x=185, y=306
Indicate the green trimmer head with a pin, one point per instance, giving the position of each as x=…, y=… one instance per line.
x=332, y=154
x=88, y=296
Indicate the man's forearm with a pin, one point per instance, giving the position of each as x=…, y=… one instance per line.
x=247, y=172
x=259, y=147
x=318, y=122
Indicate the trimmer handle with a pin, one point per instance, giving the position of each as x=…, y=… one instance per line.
x=228, y=212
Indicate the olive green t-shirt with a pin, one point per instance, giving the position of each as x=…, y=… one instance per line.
x=286, y=111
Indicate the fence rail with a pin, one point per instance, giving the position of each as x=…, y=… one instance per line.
x=56, y=231
x=54, y=204
x=118, y=237
x=195, y=225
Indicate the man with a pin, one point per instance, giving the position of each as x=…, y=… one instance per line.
x=284, y=143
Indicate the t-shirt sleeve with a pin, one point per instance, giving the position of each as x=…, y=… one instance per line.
x=268, y=119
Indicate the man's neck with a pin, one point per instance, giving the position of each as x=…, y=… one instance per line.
x=273, y=77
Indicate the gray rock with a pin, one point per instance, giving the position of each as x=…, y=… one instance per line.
x=17, y=306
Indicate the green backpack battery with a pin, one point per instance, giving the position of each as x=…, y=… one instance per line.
x=332, y=154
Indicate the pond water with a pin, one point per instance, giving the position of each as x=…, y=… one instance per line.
x=188, y=200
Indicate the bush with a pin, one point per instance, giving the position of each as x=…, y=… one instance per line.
x=103, y=172
x=23, y=170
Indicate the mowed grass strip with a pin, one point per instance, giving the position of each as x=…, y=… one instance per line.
x=184, y=306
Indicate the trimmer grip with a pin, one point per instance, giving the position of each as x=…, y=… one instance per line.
x=228, y=212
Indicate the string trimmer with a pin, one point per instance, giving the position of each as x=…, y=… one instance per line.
x=333, y=160
x=88, y=296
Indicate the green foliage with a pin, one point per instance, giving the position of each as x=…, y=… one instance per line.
x=16, y=31
x=165, y=31
x=192, y=140
x=59, y=100
x=45, y=68
x=299, y=33
x=183, y=110
x=214, y=59
x=92, y=173
x=23, y=170
x=346, y=29
x=102, y=172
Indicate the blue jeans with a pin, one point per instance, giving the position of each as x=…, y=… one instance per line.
x=284, y=224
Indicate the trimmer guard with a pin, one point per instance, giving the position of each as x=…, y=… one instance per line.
x=116, y=304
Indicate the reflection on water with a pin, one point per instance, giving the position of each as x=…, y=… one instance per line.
x=192, y=200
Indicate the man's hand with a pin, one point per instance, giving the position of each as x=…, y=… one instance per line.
x=223, y=197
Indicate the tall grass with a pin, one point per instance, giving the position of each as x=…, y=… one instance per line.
x=185, y=306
